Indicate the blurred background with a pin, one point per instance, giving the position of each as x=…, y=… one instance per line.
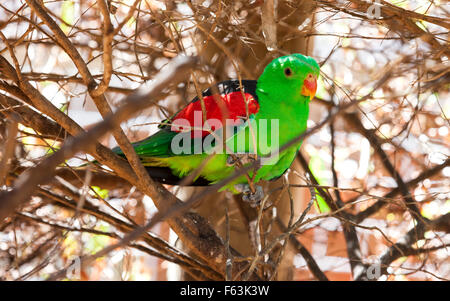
x=391, y=56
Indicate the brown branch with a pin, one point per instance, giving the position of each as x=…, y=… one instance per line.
x=403, y=246
x=42, y=77
x=309, y=259
x=128, y=17
x=108, y=36
x=152, y=240
x=184, y=264
x=189, y=226
x=102, y=179
x=359, y=217
x=7, y=71
x=399, y=12
x=9, y=142
x=43, y=171
x=410, y=203
x=186, y=225
x=399, y=20
x=350, y=235
x=64, y=42
x=30, y=118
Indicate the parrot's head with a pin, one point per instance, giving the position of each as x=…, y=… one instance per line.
x=290, y=77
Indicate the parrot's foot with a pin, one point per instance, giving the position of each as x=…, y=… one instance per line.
x=242, y=158
x=253, y=198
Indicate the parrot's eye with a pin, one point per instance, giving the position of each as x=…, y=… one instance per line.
x=287, y=71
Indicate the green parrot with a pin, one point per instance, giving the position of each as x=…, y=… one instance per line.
x=232, y=124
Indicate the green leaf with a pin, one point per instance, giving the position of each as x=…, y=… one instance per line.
x=67, y=15
x=103, y=193
x=317, y=167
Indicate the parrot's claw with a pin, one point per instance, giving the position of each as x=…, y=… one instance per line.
x=243, y=159
x=254, y=199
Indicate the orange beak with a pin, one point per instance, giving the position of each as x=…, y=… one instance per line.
x=309, y=86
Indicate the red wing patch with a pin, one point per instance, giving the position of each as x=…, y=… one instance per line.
x=218, y=108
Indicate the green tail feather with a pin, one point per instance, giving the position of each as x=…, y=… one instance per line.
x=157, y=145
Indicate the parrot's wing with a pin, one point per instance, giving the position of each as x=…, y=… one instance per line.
x=232, y=105
x=223, y=101
x=239, y=138
x=182, y=133
x=157, y=145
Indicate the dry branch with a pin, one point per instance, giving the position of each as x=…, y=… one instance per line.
x=26, y=184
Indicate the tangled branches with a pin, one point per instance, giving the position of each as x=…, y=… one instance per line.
x=367, y=197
